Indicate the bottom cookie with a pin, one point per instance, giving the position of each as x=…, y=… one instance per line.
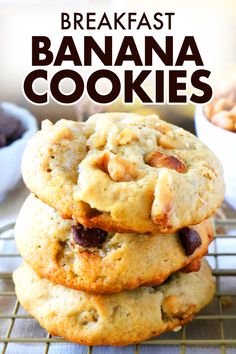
x=117, y=319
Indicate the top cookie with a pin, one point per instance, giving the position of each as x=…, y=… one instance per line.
x=124, y=173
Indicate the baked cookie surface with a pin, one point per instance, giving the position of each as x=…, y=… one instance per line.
x=120, y=261
x=124, y=173
x=117, y=319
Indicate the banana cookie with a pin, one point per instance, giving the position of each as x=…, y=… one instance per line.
x=124, y=173
x=118, y=319
x=96, y=261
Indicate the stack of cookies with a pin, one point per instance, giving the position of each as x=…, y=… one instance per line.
x=115, y=229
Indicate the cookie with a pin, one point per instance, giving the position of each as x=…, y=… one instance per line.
x=106, y=262
x=117, y=319
x=124, y=173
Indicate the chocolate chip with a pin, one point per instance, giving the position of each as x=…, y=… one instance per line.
x=18, y=132
x=8, y=124
x=87, y=237
x=11, y=128
x=3, y=141
x=190, y=240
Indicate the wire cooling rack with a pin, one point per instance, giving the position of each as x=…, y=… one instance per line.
x=212, y=331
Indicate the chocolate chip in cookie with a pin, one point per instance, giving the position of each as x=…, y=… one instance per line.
x=190, y=240
x=87, y=237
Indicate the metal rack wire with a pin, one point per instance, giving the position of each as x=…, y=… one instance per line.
x=221, y=314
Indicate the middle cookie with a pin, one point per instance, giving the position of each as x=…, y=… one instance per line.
x=95, y=261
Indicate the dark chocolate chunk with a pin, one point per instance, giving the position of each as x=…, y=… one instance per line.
x=3, y=141
x=18, y=132
x=190, y=240
x=11, y=128
x=86, y=237
x=8, y=124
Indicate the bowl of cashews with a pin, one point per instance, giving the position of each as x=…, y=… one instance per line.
x=215, y=125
